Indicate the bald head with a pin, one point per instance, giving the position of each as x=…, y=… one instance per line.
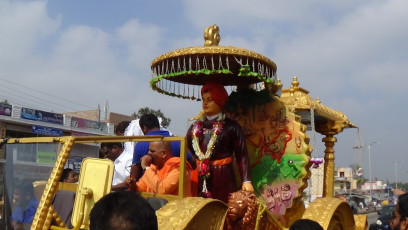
x=160, y=152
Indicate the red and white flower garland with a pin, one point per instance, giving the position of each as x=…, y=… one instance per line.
x=197, y=132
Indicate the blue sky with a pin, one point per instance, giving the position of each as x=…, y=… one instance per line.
x=66, y=55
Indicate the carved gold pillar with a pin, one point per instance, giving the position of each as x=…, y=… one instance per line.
x=328, y=184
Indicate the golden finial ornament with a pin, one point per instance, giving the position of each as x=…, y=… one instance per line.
x=292, y=90
x=295, y=82
x=212, y=36
x=318, y=100
x=279, y=82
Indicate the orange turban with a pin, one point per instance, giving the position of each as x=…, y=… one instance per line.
x=217, y=92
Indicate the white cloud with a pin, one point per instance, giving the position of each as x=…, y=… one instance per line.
x=388, y=78
x=22, y=25
x=85, y=64
x=364, y=39
x=141, y=41
x=246, y=15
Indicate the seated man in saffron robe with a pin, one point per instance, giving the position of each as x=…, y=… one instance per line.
x=162, y=171
x=150, y=125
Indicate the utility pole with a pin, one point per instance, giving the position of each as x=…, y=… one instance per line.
x=106, y=109
x=351, y=179
x=396, y=173
x=369, y=161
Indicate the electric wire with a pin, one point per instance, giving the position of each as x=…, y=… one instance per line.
x=48, y=95
x=36, y=100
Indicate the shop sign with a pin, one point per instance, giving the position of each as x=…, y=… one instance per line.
x=74, y=163
x=46, y=157
x=5, y=109
x=46, y=131
x=38, y=115
x=88, y=124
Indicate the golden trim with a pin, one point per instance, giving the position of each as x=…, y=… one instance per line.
x=361, y=222
x=192, y=213
x=91, y=139
x=41, y=219
x=330, y=213
x=328, y=184
x=298, y=98
x=213, y=50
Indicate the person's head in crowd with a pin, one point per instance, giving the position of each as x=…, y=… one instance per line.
x=305, y=224
x=123, y=210
x=76, y=175
x=26, y=204
x=114, y=150
x=121, y=128
x=399, y=218
x=23, y=192
x=68, y=176
x=160, y=152
x=103, y=150
x=341, y=197
x=149, y=122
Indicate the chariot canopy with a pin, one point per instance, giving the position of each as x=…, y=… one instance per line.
x=177, y=72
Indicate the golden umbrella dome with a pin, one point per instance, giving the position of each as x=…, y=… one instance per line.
x=175, y=72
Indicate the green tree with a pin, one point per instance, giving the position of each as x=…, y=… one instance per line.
x=5, y=102
x=146, y=110
x=359, y=178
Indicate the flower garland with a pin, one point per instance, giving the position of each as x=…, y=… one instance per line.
x=203, y=167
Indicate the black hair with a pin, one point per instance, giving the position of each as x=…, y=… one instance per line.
x=124, y=210
x=25, y=186
x=403, y=205
x=150, y=121
x=112, y=144
x=102, y=152
x=65, y=174
x=305, y=224
x=121, y=127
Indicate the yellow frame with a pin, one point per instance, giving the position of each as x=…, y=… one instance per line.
x=43, y=216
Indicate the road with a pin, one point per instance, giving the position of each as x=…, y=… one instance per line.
x=372, y=217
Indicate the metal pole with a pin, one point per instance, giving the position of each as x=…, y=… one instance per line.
x=369, y=168
x=369, y=161
x=396, y=183
x=351, y=180
x=388, y=192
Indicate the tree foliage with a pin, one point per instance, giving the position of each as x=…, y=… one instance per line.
x=146, y=110
x=5, y=102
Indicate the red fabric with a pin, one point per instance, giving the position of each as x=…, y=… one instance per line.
x=217, y=91
x=194, y=180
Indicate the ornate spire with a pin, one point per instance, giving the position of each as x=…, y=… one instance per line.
x=295, y=82
x=212, y=36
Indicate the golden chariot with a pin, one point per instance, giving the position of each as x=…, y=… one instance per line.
x=274, y=122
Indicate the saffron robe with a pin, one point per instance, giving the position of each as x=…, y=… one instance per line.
x=164, y=180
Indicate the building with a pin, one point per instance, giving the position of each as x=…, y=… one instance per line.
x=344, y=181
x=377, y=187
x=20, y=122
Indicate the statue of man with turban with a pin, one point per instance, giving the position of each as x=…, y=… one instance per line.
x=216, y=141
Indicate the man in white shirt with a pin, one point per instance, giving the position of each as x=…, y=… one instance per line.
x=122, y=164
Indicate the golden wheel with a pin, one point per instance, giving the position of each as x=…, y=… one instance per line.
x=192, y=213
x=331, y=214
